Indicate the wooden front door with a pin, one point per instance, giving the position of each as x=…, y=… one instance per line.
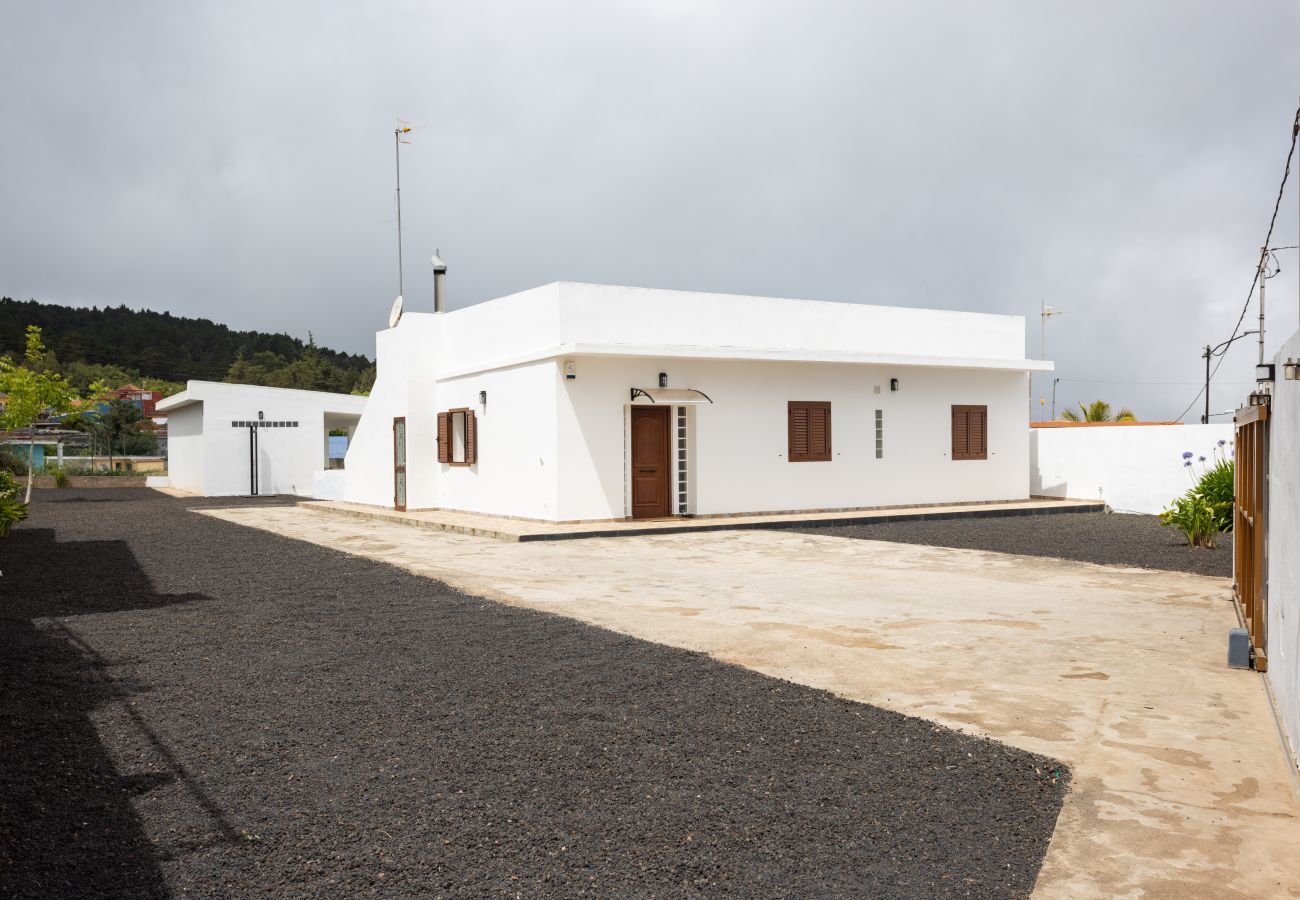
x=399, y=464
x=651, y=462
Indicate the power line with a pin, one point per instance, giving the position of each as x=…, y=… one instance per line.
x=1254, y=278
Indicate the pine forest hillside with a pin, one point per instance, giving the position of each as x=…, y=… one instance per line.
x=118, y=344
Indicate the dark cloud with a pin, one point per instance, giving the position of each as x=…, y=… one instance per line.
x=234, y=161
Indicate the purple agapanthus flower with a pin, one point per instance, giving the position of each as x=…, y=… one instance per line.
x=1187, y=454
x=1200, y=459
x=1222, y=442
x=1187, y=464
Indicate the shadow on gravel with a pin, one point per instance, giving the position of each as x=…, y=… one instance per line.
x=67, y=824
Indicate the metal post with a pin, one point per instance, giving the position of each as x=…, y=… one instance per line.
x=1205, y=419
x=1055, y=381
x=397, y=154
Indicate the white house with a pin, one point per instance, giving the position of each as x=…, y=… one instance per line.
x=240, y=439
x=577, y=402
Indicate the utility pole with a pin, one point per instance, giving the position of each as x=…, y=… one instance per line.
x=1263, y=276
x=1045, y=312
x=1205, y=419
x=397, y=154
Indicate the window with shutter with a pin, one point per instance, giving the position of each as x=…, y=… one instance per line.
x=458, y=438
x=809, y=427
x=970, y=432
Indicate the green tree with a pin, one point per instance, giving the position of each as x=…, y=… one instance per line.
x=1098, y=411
x=34, y=393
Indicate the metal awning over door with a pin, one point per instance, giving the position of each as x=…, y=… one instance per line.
x=672, y=396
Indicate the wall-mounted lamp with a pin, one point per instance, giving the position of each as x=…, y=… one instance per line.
x=570, y=369
x=893, y=384
x=482, y=398
x=1259, y=399
x=1291, y=371
x=1264, y=372
x=663, y=379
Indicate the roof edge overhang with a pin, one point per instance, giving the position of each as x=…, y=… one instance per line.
x=755, y=354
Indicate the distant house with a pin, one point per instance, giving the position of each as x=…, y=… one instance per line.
x=138, y=397
x=591, y=402
x=241, y=439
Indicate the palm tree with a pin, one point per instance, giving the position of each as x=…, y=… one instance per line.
x=1098, y=411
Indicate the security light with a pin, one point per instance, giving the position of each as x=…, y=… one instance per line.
x=893, y=384
x=663, y=379
x=1264, y=372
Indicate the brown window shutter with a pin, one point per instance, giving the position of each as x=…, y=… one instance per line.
x=471, y=441
x=809, y=430
x=444, y=437
x=978, y=433
x=970, y=432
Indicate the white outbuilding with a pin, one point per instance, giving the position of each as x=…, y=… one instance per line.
x=243, y=439
x=582, y=402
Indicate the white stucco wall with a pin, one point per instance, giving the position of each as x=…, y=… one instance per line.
x=185, y=458
x=1133, y=468
x=1283, y=624
x=405, y=365
x=516, y=472
x=213, y=459
x=740, y=441
x=551, y=448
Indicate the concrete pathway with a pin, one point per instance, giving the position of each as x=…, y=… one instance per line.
x=508, y=529
x=1181, y=788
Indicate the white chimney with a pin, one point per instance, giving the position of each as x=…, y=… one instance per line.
x=439, y=288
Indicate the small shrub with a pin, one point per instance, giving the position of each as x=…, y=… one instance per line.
x=12, y=511
x=1194, y=517
x=12, y=461
x=1206, y=510
x=9, y=488
x=61, y=477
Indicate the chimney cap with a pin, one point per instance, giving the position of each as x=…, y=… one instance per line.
x=438, y=264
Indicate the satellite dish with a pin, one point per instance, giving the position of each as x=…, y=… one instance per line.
x=395, y=314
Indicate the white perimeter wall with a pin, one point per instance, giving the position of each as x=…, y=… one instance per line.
x=1136, y=468
x=1283, y=635
x=740, y=442
x=185, y=448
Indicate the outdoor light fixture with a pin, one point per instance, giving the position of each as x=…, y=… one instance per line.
x=893, y=384
x=570, y=369
x=1290, y=370
x=1259, y=399
x=663, y=379
x=482, y=398
x=1264, y=372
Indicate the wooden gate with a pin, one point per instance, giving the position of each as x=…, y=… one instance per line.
x=1250, y=522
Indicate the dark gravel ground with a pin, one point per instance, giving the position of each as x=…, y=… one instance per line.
x=1110, y=539
x=191, y=707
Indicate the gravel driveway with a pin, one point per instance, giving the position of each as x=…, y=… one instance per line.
x=1106, y=538
x=192, y=706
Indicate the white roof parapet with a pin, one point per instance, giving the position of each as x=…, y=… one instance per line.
x=603, y=320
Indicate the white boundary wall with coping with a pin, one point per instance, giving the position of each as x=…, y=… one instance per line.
x=1283, y=623
x=1133, y=468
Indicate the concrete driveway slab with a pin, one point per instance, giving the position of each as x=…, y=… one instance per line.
x=1181, y=787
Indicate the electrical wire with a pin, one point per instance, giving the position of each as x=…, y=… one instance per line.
x=1254, y=279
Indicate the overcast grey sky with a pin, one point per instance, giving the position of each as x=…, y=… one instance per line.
x=234, y=161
